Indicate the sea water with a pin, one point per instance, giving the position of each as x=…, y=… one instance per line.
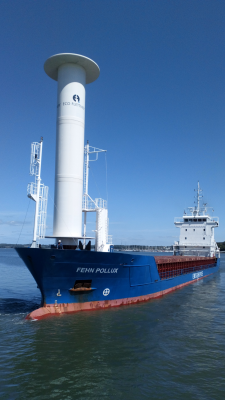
x=168, y=348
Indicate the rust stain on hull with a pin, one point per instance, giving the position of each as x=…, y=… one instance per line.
x=69, y=308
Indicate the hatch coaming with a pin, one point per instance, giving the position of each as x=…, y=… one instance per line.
x=172, y=266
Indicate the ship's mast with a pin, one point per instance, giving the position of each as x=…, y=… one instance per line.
x=38, y=178
x=38, y=192
x=86, y=174
x=87, y=151
x=197, y=209
x=199, y=190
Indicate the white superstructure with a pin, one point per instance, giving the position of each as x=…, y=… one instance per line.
x=73, y=72
x=197, y=231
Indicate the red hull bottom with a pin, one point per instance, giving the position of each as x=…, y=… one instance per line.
x=69, y=308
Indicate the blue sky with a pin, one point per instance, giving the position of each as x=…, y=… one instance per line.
x=158, y=108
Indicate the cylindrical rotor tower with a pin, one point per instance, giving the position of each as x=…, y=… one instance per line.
x=73, y=72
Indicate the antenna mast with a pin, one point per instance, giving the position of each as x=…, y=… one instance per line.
x=199, y=190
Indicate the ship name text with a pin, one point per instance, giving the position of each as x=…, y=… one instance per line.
x=197, y=275
x=98, y=270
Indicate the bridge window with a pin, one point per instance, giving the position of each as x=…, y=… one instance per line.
x=193, y=229
x=185, y=229
x=185, y=238
x=203, y=238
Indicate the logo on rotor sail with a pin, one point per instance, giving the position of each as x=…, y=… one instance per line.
x=76, y=98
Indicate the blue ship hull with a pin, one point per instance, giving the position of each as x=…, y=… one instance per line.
x=114, y=279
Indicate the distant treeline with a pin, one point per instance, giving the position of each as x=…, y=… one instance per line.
x=12, y=246
x=116, y=246
x=121, y=247
x=137, y=247
x=221, y=246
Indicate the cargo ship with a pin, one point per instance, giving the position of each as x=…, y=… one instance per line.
x=71, y=275
x=78, y=280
